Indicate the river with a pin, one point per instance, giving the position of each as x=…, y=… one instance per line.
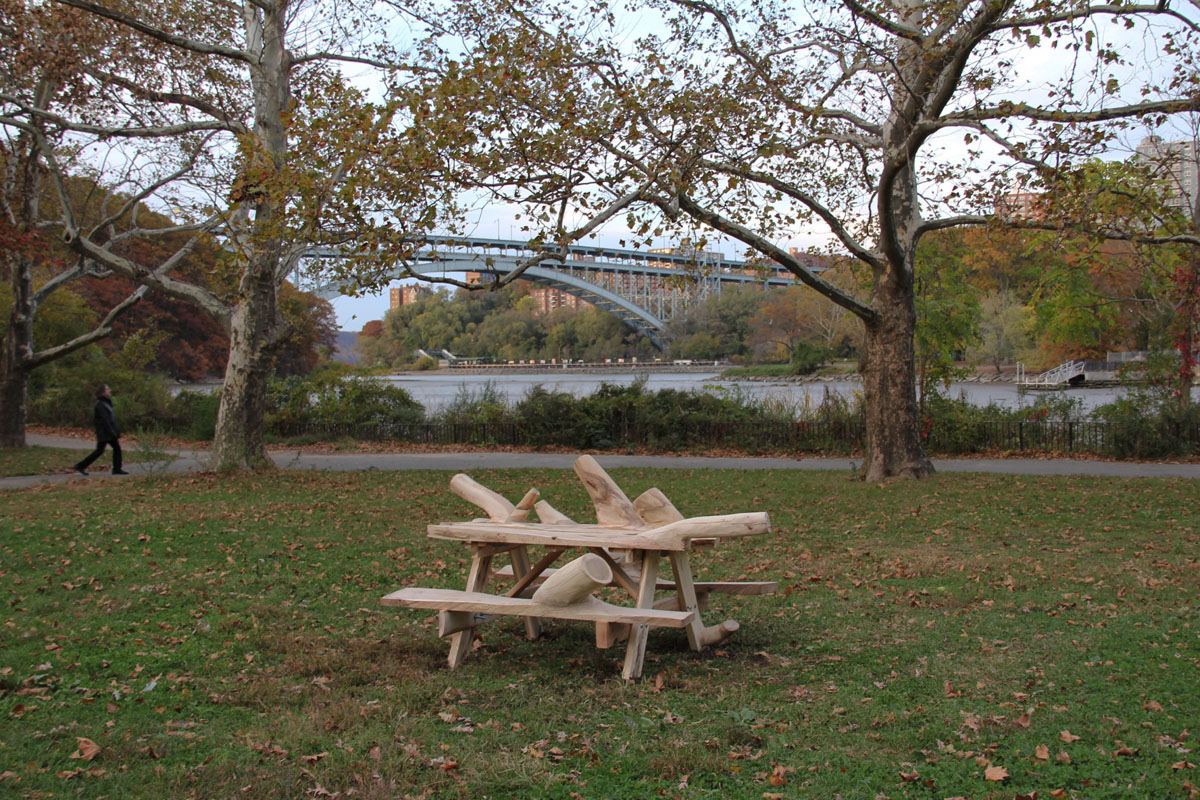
x=435, y=390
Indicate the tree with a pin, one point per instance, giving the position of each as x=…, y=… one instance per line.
x=1147, y=211
x=1002, y=328
x=880, y=122
x=240, y=114
x=39, y=48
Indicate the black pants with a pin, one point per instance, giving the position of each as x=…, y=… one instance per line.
x=116, y=447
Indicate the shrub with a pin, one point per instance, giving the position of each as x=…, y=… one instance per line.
x=296, y=401
x=807, y=358
x=194, y=415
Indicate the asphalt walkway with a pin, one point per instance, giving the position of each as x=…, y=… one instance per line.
x=195, y=461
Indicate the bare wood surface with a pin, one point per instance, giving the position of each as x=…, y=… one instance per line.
x=520, y=566
x=655, y=509
x=460, y=643
x=521, y=511
x=534, y=575
x=494, y=505
x=574, y=581
x=613, y=508
x=674, y=536
x=686, y=592
x=592, y=609
x=664, y=583
x=550, y=515
x=715, y=634
x=611, y=633
x=620, y=576
x=635, y=650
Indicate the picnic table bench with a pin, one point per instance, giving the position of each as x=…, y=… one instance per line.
x=623, y=549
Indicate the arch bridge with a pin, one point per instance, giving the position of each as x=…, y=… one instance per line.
x=642, y=288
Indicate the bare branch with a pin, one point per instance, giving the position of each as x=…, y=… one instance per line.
x=1040, y=20
x=883, y=23
x=96, y=334
x=769, y=248
x=174, y=98
x=855, y=247
x=182, y=42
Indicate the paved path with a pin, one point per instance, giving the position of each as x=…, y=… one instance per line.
x=193, y=461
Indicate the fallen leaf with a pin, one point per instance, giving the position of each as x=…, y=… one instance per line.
x=908, y=777
x=314, y=758
x=1152, y=705
x=1064, y=758
x=1041, y=753
x=1178, y=765
x=998, y=774
x=87, y=749
x=1058, y=793
x=1069, y=737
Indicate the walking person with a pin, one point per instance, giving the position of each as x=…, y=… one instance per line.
x=106, y=433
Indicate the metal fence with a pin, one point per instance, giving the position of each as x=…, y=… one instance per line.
x=1147, y=439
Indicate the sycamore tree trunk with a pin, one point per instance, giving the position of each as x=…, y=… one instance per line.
x=893, y=445
x=14, y=361
x=241, y=418
x=254, y=323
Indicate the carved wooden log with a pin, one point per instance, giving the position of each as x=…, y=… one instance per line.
x=574, y=582
x=654, y=507
x=522, y=509
x=496, y=506
x=715, y=634
x=613, y=508
x=550, y=515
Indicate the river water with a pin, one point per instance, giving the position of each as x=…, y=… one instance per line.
x=437, y=389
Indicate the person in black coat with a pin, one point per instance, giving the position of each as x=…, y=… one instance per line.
x=107, y=433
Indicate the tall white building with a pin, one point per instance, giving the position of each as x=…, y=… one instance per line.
x=1179, y=168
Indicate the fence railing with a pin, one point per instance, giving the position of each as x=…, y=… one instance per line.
x=833, y=436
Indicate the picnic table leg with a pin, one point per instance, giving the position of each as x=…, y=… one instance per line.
x=681, y=565
x=520, y=565
x=460, y=643
x=635, y=651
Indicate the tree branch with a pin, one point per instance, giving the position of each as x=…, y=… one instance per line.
x=769, y=248
x=101, y=331
x=182, y=42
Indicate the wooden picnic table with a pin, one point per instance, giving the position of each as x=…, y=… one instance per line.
x=624, y=549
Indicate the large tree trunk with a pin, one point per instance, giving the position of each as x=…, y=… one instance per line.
x=254, y=324
x=14, y=404
x=893, y=446
x=241, y=418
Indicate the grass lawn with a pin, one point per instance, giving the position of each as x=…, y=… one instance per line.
x=53, y=460
x=964, y=636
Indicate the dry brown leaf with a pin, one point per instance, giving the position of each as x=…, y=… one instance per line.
x=1069, y=737
x=995, y=773
x=1041, y=753
x=87, y=749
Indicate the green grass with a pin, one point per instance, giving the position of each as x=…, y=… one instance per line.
x=41, y=460
x=52, y=460
x=220, y=637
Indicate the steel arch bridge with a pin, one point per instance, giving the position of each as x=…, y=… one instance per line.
x=644, y=289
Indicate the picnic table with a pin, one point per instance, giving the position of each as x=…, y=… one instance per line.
x=623, y=549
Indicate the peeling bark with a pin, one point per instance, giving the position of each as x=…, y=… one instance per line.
x=893, y=446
